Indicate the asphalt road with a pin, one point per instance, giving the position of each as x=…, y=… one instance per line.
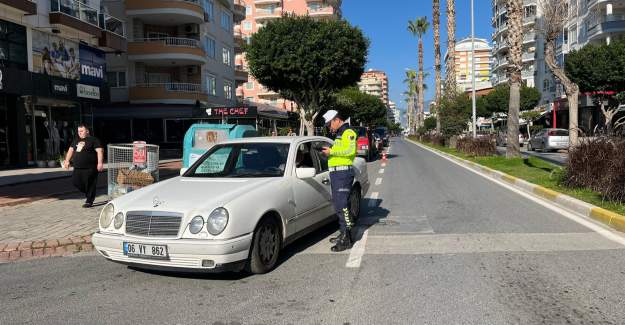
x=440, y=245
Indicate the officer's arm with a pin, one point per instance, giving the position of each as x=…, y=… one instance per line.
x=346, y=147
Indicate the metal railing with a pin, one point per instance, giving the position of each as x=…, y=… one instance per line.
x=170, y=41
x=112, y=24
x=75, y=9
x=321, y=10
x=178, y=87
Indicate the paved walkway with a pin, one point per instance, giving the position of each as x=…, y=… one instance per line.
x=47, y=219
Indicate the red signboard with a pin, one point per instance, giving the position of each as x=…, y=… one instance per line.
x=139, y=152
x=233, y=111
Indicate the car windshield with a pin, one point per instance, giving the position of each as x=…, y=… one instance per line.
x=242, y=160
x=362, y=132
x=380, y=132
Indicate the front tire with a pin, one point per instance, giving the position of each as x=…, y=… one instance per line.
x=265, y=247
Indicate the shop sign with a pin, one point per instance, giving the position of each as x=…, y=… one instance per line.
x=86, y=91
x=232, y=111
x=59, y=88
x=92, y=65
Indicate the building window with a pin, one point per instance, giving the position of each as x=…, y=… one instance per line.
x=247, y=25
x=248, y=10
x=208, y=9
x=226, y=57
x=228, y=89
x=13, y=51
x=211, y=85
x=116, y=79
x=249, y=85
x=226, y=21
x=209, y=46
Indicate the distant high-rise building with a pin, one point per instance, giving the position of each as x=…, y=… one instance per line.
x=375, y=82
x=464, y=62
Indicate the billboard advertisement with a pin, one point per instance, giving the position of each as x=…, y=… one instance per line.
x=92, y=65
x=55, y=56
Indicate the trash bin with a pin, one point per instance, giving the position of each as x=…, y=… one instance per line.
x=131, y=166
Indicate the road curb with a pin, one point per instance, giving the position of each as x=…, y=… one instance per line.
x=28, y=250
x=607, y=217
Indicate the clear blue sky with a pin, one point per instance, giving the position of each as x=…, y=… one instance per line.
x=393, y=48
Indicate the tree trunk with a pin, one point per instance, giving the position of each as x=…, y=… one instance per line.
x=515, y=39
x=450, y=64
x=420, y=83
x=570, y=88
x=436, y=22
x=608, y=114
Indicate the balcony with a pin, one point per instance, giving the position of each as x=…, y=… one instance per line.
x=266, y=93
x=322, y=12
x=240, y=74
x=264, y=15
x=168, y=93
x=239, y=42
x=28, y=7
x=113, y=37
x=76, y=15
x=267, y=2
x=166, y=12
x=238, y=11
x=167, y=51
x=614, y=23
x=528, y=57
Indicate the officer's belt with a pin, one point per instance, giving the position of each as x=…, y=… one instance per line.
x=339, y=168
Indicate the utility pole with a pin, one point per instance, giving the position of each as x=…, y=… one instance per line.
x=473, y=70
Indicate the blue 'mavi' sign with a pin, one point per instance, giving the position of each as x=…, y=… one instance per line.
x=92, y=66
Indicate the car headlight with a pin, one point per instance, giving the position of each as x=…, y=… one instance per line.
x=196, y=224
x=118, y=221
x=106, y=216
x=217, y=221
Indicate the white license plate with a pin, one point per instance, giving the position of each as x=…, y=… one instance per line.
x=158, y=252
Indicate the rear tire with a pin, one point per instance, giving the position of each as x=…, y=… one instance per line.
x=265, y=249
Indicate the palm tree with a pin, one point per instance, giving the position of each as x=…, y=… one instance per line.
x=418, y=27
x=411, y=93
x=436, y=24
x=515, y=55
x=450, y=64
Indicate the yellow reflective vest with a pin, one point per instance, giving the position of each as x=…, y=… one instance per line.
x=343, y=151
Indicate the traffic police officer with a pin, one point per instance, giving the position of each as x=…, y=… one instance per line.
x=340, y=161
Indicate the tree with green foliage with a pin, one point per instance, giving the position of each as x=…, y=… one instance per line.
x=599, y=70
x=497, y=100
x=307, y=60
x=362, y=108
x=429, y=124
x=417, y=28
x=455, y=113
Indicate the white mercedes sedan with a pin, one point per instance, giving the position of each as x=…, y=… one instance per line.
x=235, y=208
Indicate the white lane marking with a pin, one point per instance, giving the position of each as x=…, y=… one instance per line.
x=373, y=199
x=383, y=164
x=358, y=250
x=378, y=181
x=381, y=171
x=595, y=226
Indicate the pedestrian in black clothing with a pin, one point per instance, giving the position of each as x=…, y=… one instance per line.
x=86, y=154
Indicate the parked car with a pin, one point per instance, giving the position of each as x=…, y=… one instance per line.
x=365, y=143
x=501, y=139
x=549, y=139
x=235, y=208
x=383, y=133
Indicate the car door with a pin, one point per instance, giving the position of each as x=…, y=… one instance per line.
x=310, y=195
x=323, y=176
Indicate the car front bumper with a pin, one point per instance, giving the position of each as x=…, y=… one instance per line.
x=183, y=254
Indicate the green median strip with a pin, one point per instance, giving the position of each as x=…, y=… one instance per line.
x=536, y=171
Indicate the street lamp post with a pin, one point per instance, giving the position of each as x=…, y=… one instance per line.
x=473, y=70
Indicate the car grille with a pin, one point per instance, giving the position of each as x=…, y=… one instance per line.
x=147, y=224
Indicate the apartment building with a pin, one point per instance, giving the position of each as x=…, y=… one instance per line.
x=464, y=64
x=52, y=74
x=393, y=112
x=375, y=82
x=533, y=72
x=180, y=61
x=257, y=14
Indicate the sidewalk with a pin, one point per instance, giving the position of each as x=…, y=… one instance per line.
x=53, y=186
x=46, y=218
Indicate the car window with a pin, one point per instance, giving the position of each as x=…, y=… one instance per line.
x=362, y=132
x=562, y=133
x=304, y=157
x=322, y=160
x=242, y=160
x=215, y=163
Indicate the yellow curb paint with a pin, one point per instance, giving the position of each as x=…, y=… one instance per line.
x=546, y=193
x=603, y=215
x=509, y=179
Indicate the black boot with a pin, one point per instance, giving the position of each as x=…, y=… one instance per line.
x=334, y=239
x=343, y=242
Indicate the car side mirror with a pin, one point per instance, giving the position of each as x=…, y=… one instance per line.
x=183, y=170
x=304, y=173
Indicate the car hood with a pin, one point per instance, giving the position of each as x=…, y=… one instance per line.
x=189, y=194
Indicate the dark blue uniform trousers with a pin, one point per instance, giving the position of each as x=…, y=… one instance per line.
x=341, y=182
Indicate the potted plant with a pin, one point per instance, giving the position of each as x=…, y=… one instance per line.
x=42, y=162
x=62, y=158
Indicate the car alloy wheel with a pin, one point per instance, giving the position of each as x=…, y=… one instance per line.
x=354, y=203
x=265, y=247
